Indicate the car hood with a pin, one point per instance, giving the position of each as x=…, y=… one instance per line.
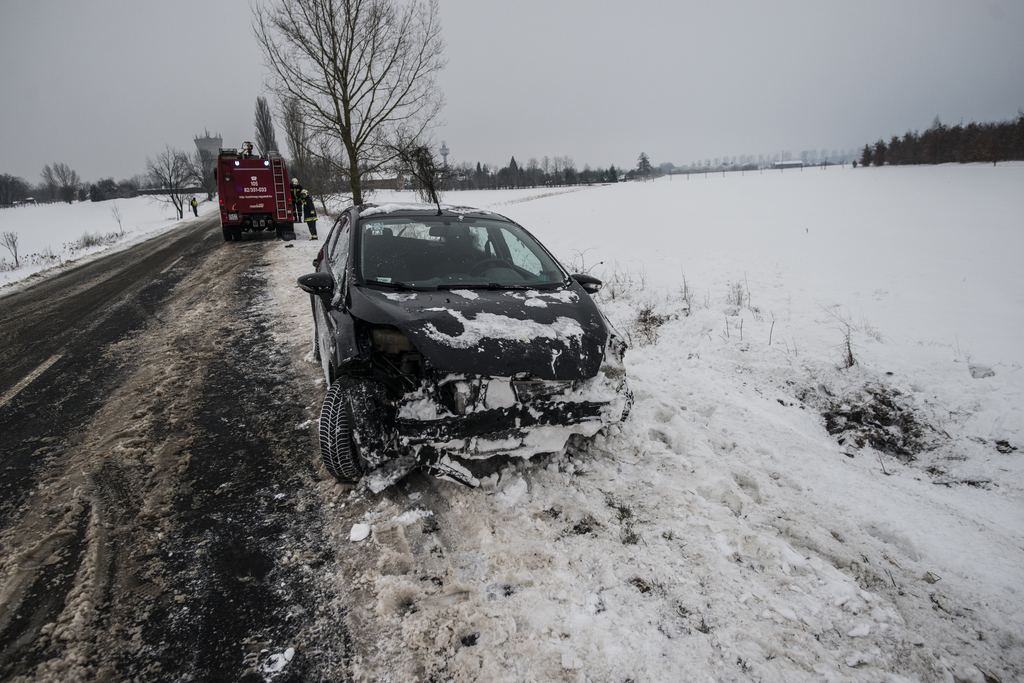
x=549, y=334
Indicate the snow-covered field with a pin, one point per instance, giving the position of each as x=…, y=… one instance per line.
x=722, y=533
x=55, y=235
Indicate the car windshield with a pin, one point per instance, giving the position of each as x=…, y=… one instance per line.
x=442, y=251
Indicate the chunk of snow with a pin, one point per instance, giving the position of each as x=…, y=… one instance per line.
x=860, y=630
x=571, y=661
x=492, y=326
x=279, y=661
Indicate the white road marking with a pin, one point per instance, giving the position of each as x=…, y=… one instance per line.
x=173, y=263
x=16, y=389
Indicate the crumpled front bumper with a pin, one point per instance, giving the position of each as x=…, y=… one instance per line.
x=477, y=417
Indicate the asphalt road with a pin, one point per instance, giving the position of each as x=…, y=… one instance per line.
x=159, y=517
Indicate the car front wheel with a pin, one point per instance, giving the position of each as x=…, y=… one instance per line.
x=337, y=446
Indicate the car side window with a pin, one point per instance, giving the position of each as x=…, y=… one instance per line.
x=333, y=239
x=521, y=255
x=337, y=259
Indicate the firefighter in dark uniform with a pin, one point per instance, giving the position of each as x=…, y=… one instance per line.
x=309, y=214
x=296, y=201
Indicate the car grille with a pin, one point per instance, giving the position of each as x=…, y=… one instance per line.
x=529, y=391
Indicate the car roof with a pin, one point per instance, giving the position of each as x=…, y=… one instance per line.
x=432, y=210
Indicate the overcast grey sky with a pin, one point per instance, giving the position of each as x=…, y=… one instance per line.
x=104, y=84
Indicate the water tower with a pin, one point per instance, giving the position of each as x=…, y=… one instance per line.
x=209, y=143
x=444, y=152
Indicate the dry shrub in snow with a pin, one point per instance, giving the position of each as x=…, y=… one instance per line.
x=88, y=240
x=46, y=258
x=10, y=242
x=643, y=329
x=874, y=415
x=737, y=296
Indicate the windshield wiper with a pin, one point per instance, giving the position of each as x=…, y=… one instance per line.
x=401, y=286
x=482, y=285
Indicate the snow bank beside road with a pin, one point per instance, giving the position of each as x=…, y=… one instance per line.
x=50, y=235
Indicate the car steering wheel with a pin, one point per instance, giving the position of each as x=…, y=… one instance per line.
x=480, y=267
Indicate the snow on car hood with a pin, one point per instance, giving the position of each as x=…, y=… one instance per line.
x=556, y=334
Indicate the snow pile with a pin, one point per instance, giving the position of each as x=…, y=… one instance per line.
x=723, y=532
x=494, y=326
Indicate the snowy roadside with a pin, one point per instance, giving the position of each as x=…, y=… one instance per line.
x=55, y=236
x=722, y=532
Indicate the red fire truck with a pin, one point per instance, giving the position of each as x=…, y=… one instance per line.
x=254, y=194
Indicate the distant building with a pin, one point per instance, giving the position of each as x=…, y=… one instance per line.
x=796, y=163
x=209, y=143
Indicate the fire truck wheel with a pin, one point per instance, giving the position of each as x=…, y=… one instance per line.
x=237, y=231
x=227, y=233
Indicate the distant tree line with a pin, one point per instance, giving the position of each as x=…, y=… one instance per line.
x=546, y=171
x=60, y=183
x=942, y=144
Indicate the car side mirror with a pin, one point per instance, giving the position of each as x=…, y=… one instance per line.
x=317, y=283
x=589, y=283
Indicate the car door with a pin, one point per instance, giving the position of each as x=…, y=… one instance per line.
x=334, y=325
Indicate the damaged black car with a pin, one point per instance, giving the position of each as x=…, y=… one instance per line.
x=450, y=335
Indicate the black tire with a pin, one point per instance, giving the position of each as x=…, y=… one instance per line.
x=227, y=232
x=337, y=447
x=237, y=232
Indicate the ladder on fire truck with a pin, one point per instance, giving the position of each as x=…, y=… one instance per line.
x=280, y=191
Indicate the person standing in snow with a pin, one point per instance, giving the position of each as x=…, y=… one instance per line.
x=309, y=214
x=195, y=206
x=296, y=195
x=297, y=191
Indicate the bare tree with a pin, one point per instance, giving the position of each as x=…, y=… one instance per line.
x=116, y=213
x=61, y=181
x=10, y=240
x=49, y=184
x=313, y=169
x=201, y=165
x=416, y=158
x=532, y=170
x=169, y=171
x=68, y=182
x=266, y=140
x=556, y=170
x=296, y=134
x=12, y=189
x=359, y=70
x=568, y=169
